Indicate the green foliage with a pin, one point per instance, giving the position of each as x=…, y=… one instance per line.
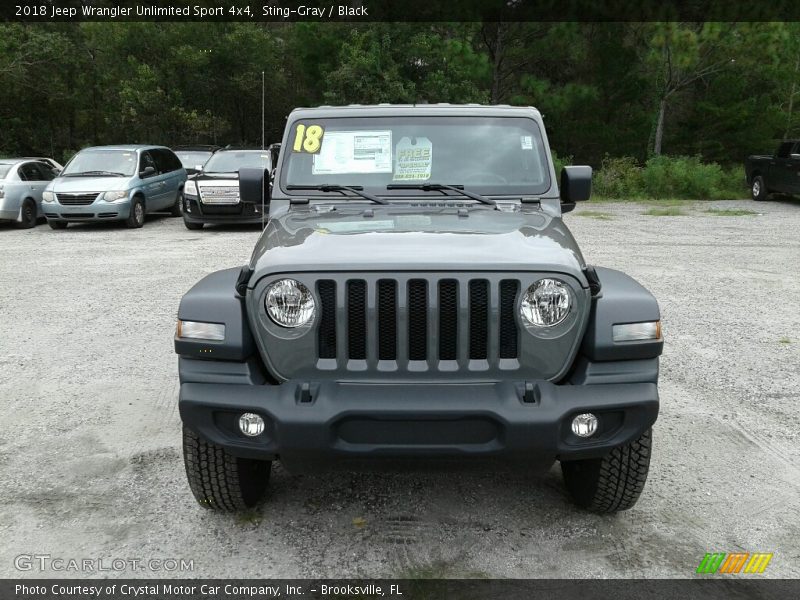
x=559, y=162
x=667, y=177
x=732, y=89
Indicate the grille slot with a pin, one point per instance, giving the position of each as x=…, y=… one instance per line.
x=448, y=319
x=327, y=320
x=357, y=320
x=387, y=319
x=77, y=199
x=478, y=319
x=508, y=325
x=417, y=319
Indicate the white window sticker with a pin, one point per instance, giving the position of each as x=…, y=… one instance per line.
x=526, y=141
x=359, y=226
x=414, y=158
x=354, y=152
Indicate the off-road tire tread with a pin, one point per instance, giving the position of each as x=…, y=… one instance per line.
x=219, y=480
x=616, y=481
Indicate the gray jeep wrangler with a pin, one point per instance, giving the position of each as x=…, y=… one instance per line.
x=416, y=297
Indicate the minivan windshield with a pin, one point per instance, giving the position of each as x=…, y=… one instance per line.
x=102, y=163
x=389, y=155
x=230, y=161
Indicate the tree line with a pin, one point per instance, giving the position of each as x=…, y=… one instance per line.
x=718, y=91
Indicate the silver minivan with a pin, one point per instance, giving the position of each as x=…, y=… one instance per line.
x=115, y=183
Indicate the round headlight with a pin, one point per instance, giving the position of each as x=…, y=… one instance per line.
x=546, y=303
x=289, y=303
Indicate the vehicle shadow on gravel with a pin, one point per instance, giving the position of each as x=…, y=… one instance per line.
x=150, y=220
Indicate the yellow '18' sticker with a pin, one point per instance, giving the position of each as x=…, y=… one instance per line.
x=308, y=139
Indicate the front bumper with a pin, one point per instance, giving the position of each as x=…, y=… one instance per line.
x=240, y=213
x=99, y=210
x=311, y=425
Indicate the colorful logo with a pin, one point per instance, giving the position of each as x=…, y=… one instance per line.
x=736, y=562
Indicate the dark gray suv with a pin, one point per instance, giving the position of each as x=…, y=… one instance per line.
x=417, y=297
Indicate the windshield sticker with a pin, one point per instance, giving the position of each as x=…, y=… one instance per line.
x=357, y=226
x=414, y=159
x=308, y=139
x=526, y=141
x=354, y=152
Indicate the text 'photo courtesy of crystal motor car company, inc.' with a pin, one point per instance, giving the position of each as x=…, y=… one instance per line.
x=412, y=300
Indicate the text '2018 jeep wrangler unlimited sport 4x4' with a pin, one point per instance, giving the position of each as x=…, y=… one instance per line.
x=416, y=295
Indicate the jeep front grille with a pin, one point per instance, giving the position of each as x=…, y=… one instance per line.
x=419, y=321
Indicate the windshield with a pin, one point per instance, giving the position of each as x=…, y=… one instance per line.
x=231, y=161
x=191, y=158
x=487, y=155
x=105, y=163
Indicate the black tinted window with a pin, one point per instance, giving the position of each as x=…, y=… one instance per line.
x=163, y=163
x=146, y=161
x=784, y=149
x=173, y=160
x=47, y=171
x=29, y=172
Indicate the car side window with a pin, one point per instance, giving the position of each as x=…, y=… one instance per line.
x=48, y=173
x=173, y=160
x=162, y=160
x=147, y=161
x=29, y=172
x=785, y=149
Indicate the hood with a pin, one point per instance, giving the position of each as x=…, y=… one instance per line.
x=89, y=184
x=396, y=238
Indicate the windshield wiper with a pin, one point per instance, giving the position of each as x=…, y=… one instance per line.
x=84, y=173
x=441, y=187
x=333, y=187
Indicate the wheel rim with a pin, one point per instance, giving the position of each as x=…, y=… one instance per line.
x=139, y=212
x=756, y=188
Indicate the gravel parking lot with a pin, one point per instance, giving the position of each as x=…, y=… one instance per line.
x=90, y=458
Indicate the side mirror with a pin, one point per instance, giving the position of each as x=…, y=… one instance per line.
x=254, y=185
x=147, y=172
x=576, y=186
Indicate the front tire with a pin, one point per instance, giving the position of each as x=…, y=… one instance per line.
x=176, y=209
x=135, y=219
x=57, y=224
x=192, y=226
x=27, y=215
x=219, y=480
x=758, y=189
x=611, y=483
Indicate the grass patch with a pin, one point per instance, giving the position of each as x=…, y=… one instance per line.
x=784, y=340
x=595, y=214
x=731, y=212
x=642, y=200
x=670, y=211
